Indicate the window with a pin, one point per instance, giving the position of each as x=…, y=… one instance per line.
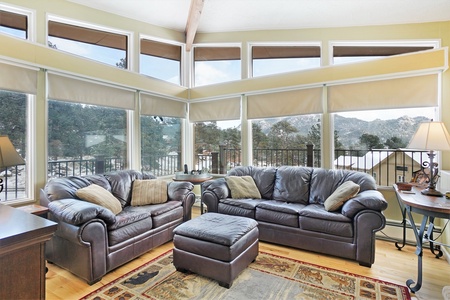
x=161, y=145
x=352, y=53
x=268, y=60
x=217, y=146
x=14, y=124
x=216, y=64
x=161, y=60
x=14, y=24
x=283, y=141
x=85, y=139
x=103, y=46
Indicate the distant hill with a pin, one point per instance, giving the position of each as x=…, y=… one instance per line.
x=350, y=129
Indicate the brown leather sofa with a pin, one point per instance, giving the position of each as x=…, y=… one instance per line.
x=91, y=241
x=291, y=210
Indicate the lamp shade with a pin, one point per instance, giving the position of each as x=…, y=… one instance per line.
x=8, y=154
x=431, y=136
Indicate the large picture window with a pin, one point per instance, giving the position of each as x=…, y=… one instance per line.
x=14, y=124
x=85, y=139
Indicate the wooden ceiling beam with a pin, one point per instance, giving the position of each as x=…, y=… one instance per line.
x=193, y=20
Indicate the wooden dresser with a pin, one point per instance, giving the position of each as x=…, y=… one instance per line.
x=22, y=257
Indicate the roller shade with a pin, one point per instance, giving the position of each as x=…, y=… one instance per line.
x=287, y=103
x=418, y=91
x=158, y=106
x=18, y=79
x=218, y=110
x=88, y=92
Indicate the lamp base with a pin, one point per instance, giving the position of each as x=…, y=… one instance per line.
x=431, y=192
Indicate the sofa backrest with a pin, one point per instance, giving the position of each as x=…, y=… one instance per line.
x=264, y=178
x=292, y=184
x=119, y=183
x=324, y=182
x=301, y=184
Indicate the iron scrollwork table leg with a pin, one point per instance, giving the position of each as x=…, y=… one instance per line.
x=419, y=250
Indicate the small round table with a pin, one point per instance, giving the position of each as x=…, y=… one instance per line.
x=195, y=181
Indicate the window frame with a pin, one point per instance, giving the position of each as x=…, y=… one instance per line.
x=72, y=22
x=30, y=15
x=182, y=70
x=279, y=44
x=212, y=45
x=374, y=43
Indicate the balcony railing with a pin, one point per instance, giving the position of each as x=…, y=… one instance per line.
x=385, y=165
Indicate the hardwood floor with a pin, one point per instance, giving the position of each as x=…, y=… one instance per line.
x=390, y=265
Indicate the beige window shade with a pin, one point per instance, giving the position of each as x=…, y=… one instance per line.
x=287, y=103
x=18, y=79
x=418, y=91
x=218, y=110
x=157, y=106
x=76, y=90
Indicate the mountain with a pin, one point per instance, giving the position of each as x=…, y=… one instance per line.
x=350, y=130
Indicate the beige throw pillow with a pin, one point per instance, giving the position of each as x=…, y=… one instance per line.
x=243, y=187
x=100, y=196
x=147, y=192
x=344, y=192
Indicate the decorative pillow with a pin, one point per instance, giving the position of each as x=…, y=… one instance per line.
x=243, y=187
x=98, y=195
x=344, y=192
x=147, y=192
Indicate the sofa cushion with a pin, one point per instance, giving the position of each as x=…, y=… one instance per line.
x=292, y=184
x=344, y=192
x=264, y=178
x=132, y=221
x=147, y=192
x=243, y=187
x=130, y=215
x=243, y=208
x=77, y=212
x=279, y=212
x=325, y=181
x=122, y=181
x=98, y=195
x=314, y=217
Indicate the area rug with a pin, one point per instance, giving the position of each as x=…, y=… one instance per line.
x=269, y=277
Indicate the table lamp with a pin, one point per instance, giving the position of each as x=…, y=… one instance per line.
x=8, y=156
x=432, y=136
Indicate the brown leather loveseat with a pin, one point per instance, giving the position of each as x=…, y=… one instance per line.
x=92, y=240
x=291, y=209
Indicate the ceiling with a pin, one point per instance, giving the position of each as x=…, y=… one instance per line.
x=242, y=15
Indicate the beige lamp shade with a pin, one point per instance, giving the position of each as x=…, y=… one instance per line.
x=8, y=154
x=431, y=136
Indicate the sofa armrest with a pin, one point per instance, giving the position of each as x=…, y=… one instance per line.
x=77, y=212
x=370, y=199
x=182, y=191
x=213, y=191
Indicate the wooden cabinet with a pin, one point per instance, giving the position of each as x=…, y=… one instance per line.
x=22, y=257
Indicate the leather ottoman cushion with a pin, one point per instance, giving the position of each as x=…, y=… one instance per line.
x=217, y=228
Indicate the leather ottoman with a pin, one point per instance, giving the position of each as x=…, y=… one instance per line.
x=216, y=246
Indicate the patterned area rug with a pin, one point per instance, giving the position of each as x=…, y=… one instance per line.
x=269, y=277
